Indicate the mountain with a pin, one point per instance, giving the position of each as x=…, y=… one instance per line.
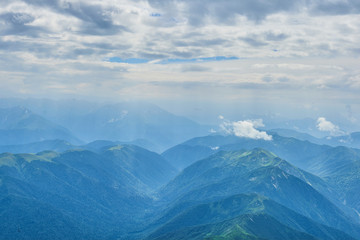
x=35, y=147
x=100, y=145
x=149, y=167
x=229, y=173
x=349, y=140
x=340, y=167
x=124, y=122
x=37, y=186
x=131, y=121
x=114, y=189
x=77, y=190
x=19, y=125
x=297, y=152
x=244, y=216
x=58, y=145
x=298, y=135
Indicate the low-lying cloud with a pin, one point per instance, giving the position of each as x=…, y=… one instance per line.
x=327, y=126
x=246, y=128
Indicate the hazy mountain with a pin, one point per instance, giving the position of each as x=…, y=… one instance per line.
x=340, y=166
x=348, y=140
x=229, y=173
x=35, y=147
x=241, y=217
x=100, y=145
x=125, y=122
x=298, y=135
x=62, y=145
x=293, y=150
x=129, y=121
x=19, y=125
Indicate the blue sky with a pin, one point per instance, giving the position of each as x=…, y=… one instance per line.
x=290, y=58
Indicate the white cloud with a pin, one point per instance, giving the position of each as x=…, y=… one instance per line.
x=246, y=128
x=327, y=126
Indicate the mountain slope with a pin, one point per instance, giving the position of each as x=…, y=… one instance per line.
x=243, y=217
x=81, y=188
x=149, y=167
x=340, y=167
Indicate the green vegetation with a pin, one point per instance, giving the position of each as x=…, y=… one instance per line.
x=234, y=194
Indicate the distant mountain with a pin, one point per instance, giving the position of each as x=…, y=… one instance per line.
x=35, y=147
x=19, y=125
x=77, y=190
x=229, y=173
x=244, y=216
x=298, y=135
x=124, y=122
x=58, y=145
x=100, y=145
x=131, y=121
x=348, y=140
x=294, y=150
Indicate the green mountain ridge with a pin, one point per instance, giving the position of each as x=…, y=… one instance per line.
x=341, y=163
x=240, y=217
x=233, y=194
x=229, y=173
x=84, y=189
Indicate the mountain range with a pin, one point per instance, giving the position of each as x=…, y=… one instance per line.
x=137, y=194
x=19, y=125
x=124, y=122
x=97, y=174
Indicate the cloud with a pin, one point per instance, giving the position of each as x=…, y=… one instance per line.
x=246, y=128
x=226, y=11
x=253, y=42
x=197, y=60
x=194, y=68
x=336, y=7
x=327, y=126
x=46, y=43
x=18, y=23
x=270, y=36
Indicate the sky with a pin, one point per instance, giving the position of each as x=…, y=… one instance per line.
x=199, y=58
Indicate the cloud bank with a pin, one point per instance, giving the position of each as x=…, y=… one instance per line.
x=327, y=126
x=246, y=128
x=263, y=53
